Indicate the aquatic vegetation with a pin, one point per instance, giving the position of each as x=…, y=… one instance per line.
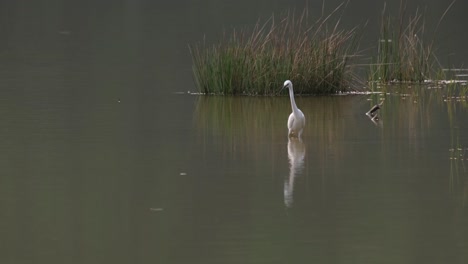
x=318, y=57
x=404, y=52
x=314, y=56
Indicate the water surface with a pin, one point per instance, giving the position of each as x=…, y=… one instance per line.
x=107, y=159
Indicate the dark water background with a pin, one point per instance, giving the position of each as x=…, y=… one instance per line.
x=104, y=161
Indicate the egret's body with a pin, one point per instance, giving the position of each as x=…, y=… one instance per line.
x=296, y=120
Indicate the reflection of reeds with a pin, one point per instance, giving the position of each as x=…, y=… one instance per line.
x=410, y=105
x=409, y=108
x=239, y=122
x=313, y=55
x=458, y=180
x=457, y=159
x=254, y=126
x=456, y=92
x=455, y=97
x=458, y=152
x=406, y=106
x=245, y=123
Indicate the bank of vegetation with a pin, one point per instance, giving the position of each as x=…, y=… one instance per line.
x=320, y=57
x=405, y=49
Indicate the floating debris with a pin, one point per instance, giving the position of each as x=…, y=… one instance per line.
x=373, y=111
x=156, y=209
x=458, y=153
x=373, y=116
x=360, y=93
x=182, y=173
x=452, y=81
x=455, y=69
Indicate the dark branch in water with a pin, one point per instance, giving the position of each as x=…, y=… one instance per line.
x=373, y=111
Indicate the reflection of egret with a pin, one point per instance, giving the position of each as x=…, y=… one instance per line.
x=296, y=154
x=296, y=119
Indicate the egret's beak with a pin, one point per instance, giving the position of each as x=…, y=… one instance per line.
x=281, y=89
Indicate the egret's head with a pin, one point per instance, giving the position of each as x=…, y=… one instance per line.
x=287, y=84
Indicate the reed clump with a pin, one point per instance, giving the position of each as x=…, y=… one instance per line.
x=315, y=56
x=404, y=52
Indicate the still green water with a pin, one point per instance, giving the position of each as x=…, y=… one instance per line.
x=223, y=184
x=104, y=161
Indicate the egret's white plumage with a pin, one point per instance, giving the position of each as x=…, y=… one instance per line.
x=296, y=120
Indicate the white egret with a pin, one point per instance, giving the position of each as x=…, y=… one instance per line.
x=296, y=120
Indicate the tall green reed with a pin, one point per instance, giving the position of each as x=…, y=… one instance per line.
x=315, y=56
x=404, y=52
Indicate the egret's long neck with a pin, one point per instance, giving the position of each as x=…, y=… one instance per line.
x=293, y=102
